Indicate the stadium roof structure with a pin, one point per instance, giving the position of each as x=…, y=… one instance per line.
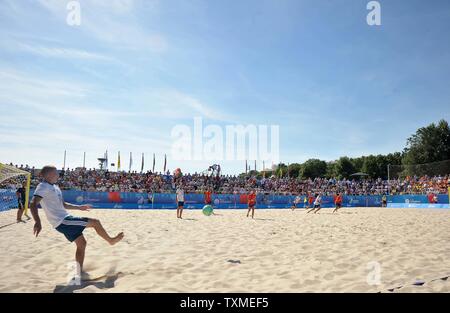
x=360, y=174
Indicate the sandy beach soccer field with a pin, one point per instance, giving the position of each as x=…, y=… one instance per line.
x=278, y=251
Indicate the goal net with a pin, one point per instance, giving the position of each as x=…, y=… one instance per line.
x=14, y=188
x=441, y=168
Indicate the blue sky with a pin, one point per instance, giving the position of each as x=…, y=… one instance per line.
x=134, y=69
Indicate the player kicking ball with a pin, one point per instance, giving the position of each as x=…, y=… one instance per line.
x=49, y=196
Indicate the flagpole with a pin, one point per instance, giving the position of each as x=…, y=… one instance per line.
x=65, y=155
x=153, y=168
x=84, y=160
x=165, y=164
x=131, y=162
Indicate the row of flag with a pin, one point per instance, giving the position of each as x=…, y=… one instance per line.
x=119, y=166
x=280, y=172
x=119, y=162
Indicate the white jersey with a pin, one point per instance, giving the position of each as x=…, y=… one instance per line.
x=297, y=199
x=318, y=200
x=180, y=195
x=52, y=202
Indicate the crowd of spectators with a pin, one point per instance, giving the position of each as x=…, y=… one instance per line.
x=100, y=180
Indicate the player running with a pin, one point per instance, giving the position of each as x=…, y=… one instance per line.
x=317, y=203
x=296, y=202
x=337, y=202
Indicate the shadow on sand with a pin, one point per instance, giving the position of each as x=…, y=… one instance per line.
x=104, y=282
x=4, y=226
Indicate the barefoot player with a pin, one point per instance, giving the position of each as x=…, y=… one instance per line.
x=296, y=202
x=49, y=196
x=251, y=203
x=337, y=202
x=21, y=196
x=180, y=201
x=317, y=203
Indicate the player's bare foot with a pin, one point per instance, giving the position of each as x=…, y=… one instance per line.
x=116, y=239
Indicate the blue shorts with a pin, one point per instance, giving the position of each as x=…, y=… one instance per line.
x=180, y=203
x=72, y=227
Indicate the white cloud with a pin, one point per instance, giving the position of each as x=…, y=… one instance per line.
x=66, y=53
x=113, y=22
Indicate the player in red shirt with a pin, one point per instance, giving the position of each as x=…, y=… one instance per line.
x=251, y=203
x=208, y=198
x=337, y=202
x=208, y=194
x=310, y=200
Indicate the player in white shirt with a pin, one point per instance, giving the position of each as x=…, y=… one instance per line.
x=297, y=200
x=49, y=196
x=317, y=204
x=180, y=201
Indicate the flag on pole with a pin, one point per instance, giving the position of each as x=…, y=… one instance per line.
x=165, y=163
x=131, y=161
x=153, y=168
x=118, y=163
x=255, y=165
x=246, y=167
x=142, y=165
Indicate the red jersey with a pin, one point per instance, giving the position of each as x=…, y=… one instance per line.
x=208, y=197
x=338, y=199
x=252, y=199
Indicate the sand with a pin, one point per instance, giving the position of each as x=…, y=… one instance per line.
x=278, y=251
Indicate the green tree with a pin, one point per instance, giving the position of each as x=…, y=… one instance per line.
x=358, y=163
x=331, y=169
x=344, y=168
x=428, y=144
x=371, y=166
x=294, y=170
x=313, y=168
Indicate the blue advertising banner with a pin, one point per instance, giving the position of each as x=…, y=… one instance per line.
x=129, y=200
x=8, y=199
